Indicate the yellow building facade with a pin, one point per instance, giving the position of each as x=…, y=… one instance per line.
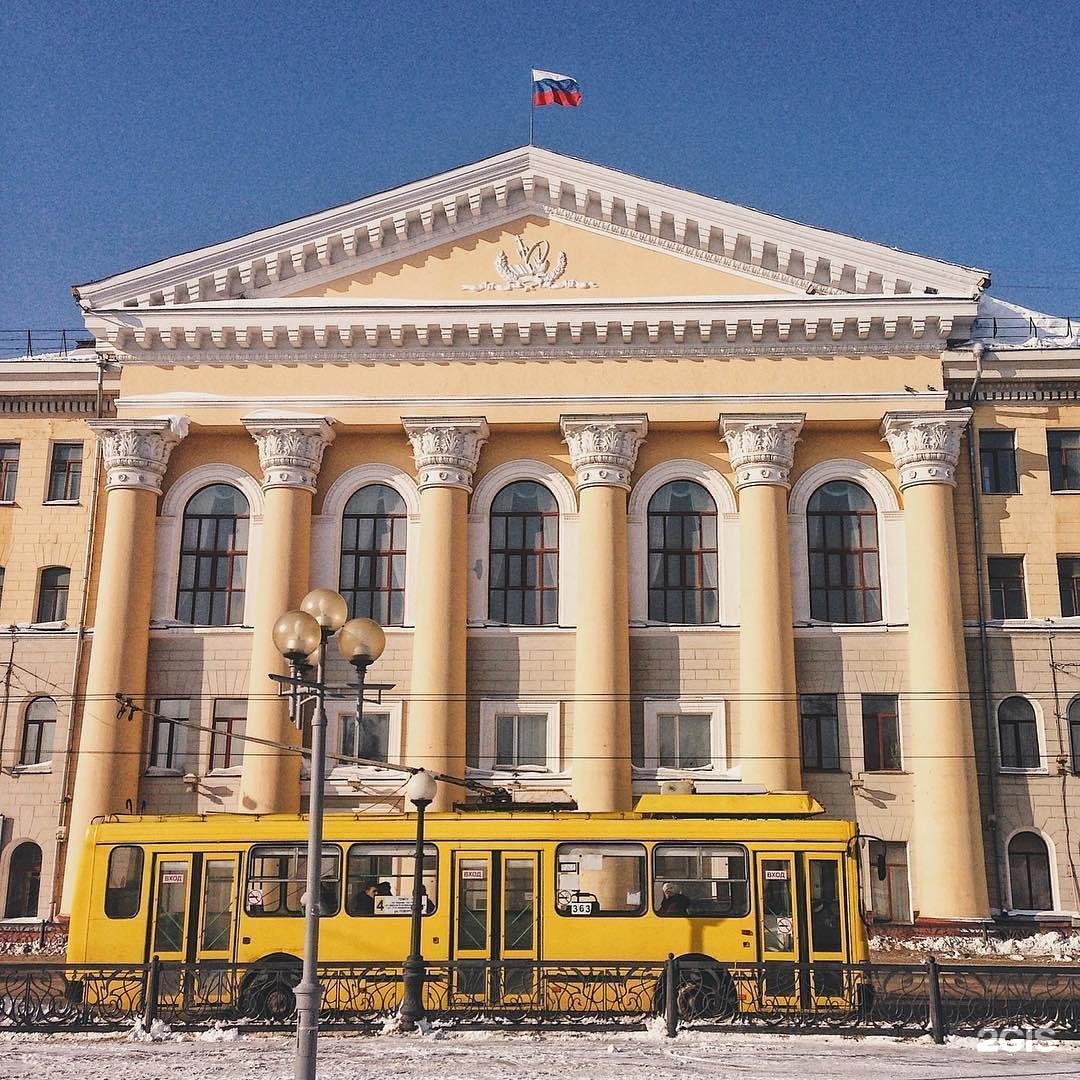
x=649, y=491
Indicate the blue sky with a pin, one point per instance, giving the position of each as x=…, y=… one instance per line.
x=133, y=131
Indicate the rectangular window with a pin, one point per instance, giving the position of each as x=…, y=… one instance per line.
x=369, y=739
x=123, y=886
x=820, y=728
x=712, y=880
x=593, y=879
x=169, y=740
x=52, y=603
x=227, y=740
x=277, y=880
x=1006, y=577
x=889, y=897
x=1069, y=584
x=520, y=739
x=65, y=472
x=684, y=740
x=379, y=879
x=881, y=733
x=9, y=470
x=997, y=462
x=1063, y=454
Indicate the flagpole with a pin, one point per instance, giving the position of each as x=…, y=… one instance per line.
x=532, y=108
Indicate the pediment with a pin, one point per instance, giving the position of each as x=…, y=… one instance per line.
x=429, y=239
x=539, y=257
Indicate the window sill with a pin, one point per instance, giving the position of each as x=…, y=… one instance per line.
x=1016, y=770
x=522, y=773
x=37, y=768
x=61, y=502
x=162, y=770
x=885, y=772
x=233, y=770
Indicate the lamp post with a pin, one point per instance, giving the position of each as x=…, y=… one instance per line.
x=420, y=791
x=298, y=635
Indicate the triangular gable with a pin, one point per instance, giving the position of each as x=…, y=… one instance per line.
x=444, y=211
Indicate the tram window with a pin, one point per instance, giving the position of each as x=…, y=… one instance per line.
x=277, y=880
x=124, y=885
x=600, y=879
x=390, y=868
x=713, y=877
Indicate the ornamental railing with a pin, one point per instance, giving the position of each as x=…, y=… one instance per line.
x=893, y=999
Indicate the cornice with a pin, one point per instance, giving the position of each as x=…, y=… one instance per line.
x=525, y=328
x=431, y=212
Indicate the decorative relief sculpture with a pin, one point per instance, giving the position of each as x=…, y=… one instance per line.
x=290, y=449
x=925, y=447
x=762, y=448
x=604, y=449
x=446, y=451
x=533, y=272
x=136, y=452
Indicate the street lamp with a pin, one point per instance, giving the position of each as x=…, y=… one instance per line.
x=297, y=635
x=420, y=791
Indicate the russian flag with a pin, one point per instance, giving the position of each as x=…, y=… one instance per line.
x=550, y=88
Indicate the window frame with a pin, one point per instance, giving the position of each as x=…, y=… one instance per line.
x=56, y=595
x=394, y=849
x=490, y=708
x=657, y=878
x=1058, y=461
x=655, y=708
x=1051, y=884
x=1074, y=734
x=176, y=737
x=383, y=613
x=895, y=869
x=1002, y=481
x=69, y=471
x=563, y=854
x=1036, y=724
x=835, y=716
x=340, y=773
x=1000, y=587
x=41, y=731
x=232, y=761
x=1069, y=585
x=877, y=718
x=539, y=555
x=134, y=892
x=295, y=885
x=9, y=472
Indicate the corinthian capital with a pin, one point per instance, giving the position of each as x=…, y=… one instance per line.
x=604, y=449
x=762, y=447
x=925, y=446
x=290, y=448
x=446, y=449
x=136, y=452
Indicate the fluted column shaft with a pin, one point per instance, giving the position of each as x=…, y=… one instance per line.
x=290, y=452
x=762, y=452
x=109, y=760
x=603, y=451
x=946, y=825
x=447, y=452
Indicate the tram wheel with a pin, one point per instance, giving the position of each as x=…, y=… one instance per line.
x=705, y=990
x=266, y=992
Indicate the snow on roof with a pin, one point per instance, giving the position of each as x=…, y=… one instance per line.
x=1009, y=326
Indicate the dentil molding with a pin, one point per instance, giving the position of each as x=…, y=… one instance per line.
x=762, y=447
x=446, y=449
x=290, y=449
x=925, y=447
x=604, y=449
x=136, y=452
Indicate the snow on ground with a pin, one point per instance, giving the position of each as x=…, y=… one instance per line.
x=1062, y=948
x=462, y=1055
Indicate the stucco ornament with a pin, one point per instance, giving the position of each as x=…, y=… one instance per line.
x=604, y=449
x=446, y=450
x=534, y=271
x=762, y=448
x=290, y=449
x=136, y=452
x=925, y=447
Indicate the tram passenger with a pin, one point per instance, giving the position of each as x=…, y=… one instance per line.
x=365, y=902
x=674, y=902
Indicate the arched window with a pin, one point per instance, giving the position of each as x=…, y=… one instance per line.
x=683, y=585
x=213, y=558
x=53, y=594
x=1029, y=873
x=38, y=729
x=1018, y=734
x=373, y=555
x=842, y=538
x=523, y=568
x=24, y=880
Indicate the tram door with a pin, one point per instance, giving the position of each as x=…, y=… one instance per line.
x=193, y=913
x=801, y=925
x=496, y=926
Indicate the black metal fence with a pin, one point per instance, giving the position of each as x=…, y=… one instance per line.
x=895, y=999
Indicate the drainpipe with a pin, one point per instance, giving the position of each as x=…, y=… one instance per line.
x=978, y=351
x=70, y=748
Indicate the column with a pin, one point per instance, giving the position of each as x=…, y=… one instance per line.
x=446, y=451
x=603, y=452
x=290, y=452
x=110, y=749
x=936, y=717
x=762, y=451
